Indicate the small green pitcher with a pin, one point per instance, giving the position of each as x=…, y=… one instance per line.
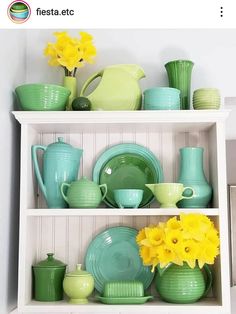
x=182, y=284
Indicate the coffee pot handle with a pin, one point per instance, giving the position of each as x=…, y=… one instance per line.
x=36, y=167
x=62, y=191
x=86, y=84
x=105, y=188
x=188, y=188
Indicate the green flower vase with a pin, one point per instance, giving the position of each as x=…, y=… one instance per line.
x=179, y=74
x=70, y=82
x=182, y=284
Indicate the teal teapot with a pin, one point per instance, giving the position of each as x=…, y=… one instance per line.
x=61, y=163
x=83, y=193
x=118, y=88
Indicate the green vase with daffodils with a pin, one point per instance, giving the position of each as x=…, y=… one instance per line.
x=70, y=53
x=181, y=249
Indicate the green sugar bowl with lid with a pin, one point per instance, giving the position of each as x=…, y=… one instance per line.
x=78, y=285
x=83, y=193
x=48, y=279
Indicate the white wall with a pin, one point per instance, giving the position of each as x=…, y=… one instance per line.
x=213, y=52
x=12, y=74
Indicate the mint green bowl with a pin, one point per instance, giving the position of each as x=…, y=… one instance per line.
x=42, y=97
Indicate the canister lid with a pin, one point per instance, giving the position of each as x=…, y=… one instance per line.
x=50, y=262
x=78, y=272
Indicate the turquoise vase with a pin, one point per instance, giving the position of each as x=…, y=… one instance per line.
x=192, y=174
x=182, y=284
x=179, y=74
x=61, y=163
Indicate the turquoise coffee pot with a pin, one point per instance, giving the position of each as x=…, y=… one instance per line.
x=61, y=163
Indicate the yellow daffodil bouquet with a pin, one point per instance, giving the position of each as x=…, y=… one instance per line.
x=192, y=239
x=70, y=53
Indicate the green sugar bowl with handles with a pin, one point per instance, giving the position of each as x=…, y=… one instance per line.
x=83, y=193
x=182, y=284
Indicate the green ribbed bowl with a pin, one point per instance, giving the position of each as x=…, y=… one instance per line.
x=181, y=284
x=42, y=97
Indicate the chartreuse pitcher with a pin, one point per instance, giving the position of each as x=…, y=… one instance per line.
x=118, y=88
x=61, y=163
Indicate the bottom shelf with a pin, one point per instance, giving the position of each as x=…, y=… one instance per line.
x=207, y=305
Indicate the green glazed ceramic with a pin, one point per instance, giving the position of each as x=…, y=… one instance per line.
x=78, y=285
x=127, y=171
x=179, y=74
x=61, y=163
x=70, y=83
x=127, y=166
x=118, y=88
x=168, y=194
x=83, y=193
x=123, y=300
x=182, y=284
x=113, y=255
x=48, y=278
x=128, y=198
x=42, y=97
x=123, y=289
x=192, y=174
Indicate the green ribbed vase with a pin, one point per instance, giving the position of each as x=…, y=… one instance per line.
x=182, y=284
x=179, y=75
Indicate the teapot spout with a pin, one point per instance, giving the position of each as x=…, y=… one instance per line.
x=135, y=70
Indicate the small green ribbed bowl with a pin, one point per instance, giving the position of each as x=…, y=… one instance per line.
x=120, y=289
x=42, y=97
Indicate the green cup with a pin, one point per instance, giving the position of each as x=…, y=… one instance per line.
x=168, y=194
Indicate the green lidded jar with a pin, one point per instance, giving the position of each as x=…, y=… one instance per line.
x=48, y=279
x=78, y=285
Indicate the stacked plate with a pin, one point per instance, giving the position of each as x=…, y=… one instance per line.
x=206, y=98
x=162, y=98
x=19, y=12
x=127, y=166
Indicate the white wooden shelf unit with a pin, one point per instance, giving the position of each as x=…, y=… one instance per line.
x=68, y=232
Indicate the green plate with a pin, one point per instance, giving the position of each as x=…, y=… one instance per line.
x=114, y=255
x=127, y=166
x=129, y=300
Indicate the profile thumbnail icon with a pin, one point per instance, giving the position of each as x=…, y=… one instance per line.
x=19, y=12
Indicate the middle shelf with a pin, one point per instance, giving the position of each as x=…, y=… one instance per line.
x=119, y=212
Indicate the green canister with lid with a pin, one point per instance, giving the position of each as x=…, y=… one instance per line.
x=48, y=279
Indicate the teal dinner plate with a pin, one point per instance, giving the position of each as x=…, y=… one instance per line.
x=127, y=300
x=114, y=255
x=127, y=166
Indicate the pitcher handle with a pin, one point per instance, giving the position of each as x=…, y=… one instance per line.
x=209, y=279
x=105, y=188
x=62, y=191
x=188, y=197
x=36, y=167
x=86, y=84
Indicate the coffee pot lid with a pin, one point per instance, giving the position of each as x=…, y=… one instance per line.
x=78, y=272
x=50, y=262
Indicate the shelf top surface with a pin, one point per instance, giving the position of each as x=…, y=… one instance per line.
x=140, y=116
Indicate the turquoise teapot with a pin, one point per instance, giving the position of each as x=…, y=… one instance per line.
x=118, y=88
x=61, y=163
x=83, y=193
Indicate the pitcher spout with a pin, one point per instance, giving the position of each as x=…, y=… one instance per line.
x=135, y=70
x=78, y=153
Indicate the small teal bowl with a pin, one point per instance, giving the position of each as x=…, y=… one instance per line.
x=162, y=98
x=20, y=15
x=128, y=198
